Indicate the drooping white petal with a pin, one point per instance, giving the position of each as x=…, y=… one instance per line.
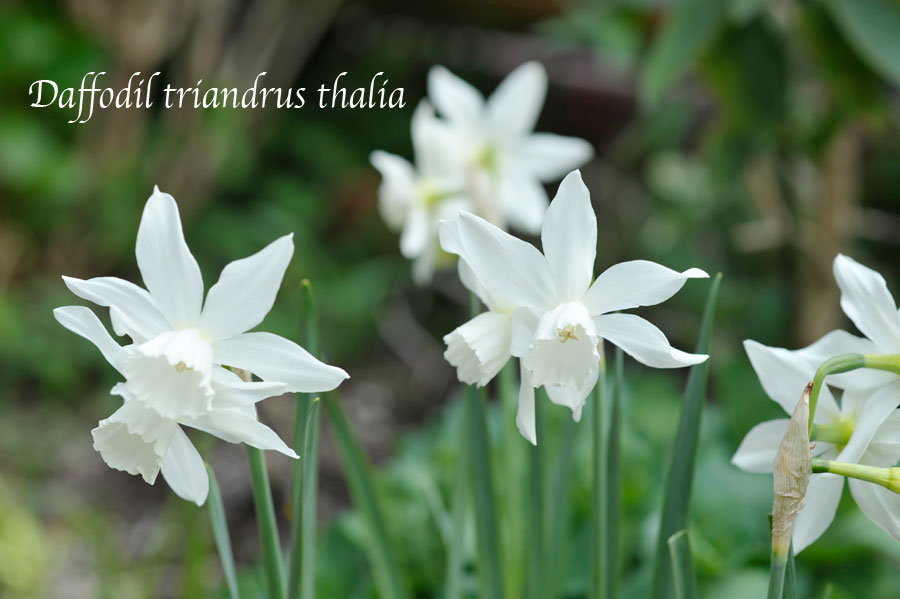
x=525, y=413
x=246, y=290
x=454, y=98
x=573, y=399
x=417, y=232
x=82, y=321
x=547, y=156
x=232, y=392
x=508, y=267
x=784, y=375
x=866, y=300
x=184, y=471
x=872, y=414
x=398, y=190
x=524, y=325
x=438, y=148
x=514, y=106
x=134, y=440
x=643, y=341
x=479, y=348
x=884, y=448
x=133, y=311
x=569, y=238
x=564, y=350
x=168, y=268
x=880, y=505
x=276, y=359
x=756, y=452
x=822, y=497
x=636, y=283
x=524, y=201
x=236, y=427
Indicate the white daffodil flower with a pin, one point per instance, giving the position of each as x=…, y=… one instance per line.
x=138, y=440
x=414, y=198
x=178, y=339
x=506, y=162
x=864, y=429
x=546, y=306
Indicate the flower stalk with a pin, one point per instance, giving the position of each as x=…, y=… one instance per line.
x=889, y=478
x=791, y=470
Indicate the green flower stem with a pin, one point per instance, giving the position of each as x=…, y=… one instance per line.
x=888, y=478
x=600, y=571
x=268, y=529
x=537, y=559
x=304, y=480
x=776, y=575
x=846, y=363
x=455, y=551
x=682, y=566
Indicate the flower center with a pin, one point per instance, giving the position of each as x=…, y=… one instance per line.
x=566, y=333
x=837, y=432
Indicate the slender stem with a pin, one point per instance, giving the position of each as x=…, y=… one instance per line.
x=457, y=532
x=268, y=529
x=537, y=561
x=835, y=365
x=558, y=513
x=305, y=470
x=682, y=566
x=599, y=492
x=886, y=362
x=776, y=575
x=614, y=475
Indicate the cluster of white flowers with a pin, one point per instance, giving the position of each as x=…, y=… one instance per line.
x=864, y=428
x=481, y=157
x=546, y=308
x=174, y=366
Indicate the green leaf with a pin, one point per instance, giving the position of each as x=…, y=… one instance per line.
x=682, y=565
x=455, y=555
x=220, y=533
x=268, y=527
x=690, y=28
x=367, y=501
x=873, y=29
x=560, y=508
x=680, y=473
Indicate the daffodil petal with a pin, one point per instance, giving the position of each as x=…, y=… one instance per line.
x=866, y=300
x=525, y=419
x=183, y=469
x=479, y=348
x=235, y=427
x=276, y=359
x=133, y=310
x=454, y=98
x=756, y=452
x=569, y=238
x=636, y=283
x=872, y=414
x=573, y=399
x=524, y=201
x=880, y=505
x=548, y=156
x=246, y=290
x=82, y=321
x=508, y=267
x=514, y=106
x=398, y=187
x=822, y=497
x=168, y=268
x=643, y=341
x=417, y=230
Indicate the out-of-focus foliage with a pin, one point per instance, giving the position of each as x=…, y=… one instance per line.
x=754, y=137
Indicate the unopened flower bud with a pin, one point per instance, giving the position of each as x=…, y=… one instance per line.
x=792, y=467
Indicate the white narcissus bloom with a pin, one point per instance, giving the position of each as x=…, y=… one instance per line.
x=864, y=429
x=507, y=162
x=544, y=309
x=414, y=198
x=173, y=366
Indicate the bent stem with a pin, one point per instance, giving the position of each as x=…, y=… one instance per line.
x=846, y=363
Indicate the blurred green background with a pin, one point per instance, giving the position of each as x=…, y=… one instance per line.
x=752, y=137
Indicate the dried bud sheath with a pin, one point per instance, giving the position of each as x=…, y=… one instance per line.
x=792, y=467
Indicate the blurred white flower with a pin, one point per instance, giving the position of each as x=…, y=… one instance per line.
x=414, y=198
x=173, y=367
x=867, y=302
x=178, y=339
x=506, y=162
x=544, y=309
x=864, y=429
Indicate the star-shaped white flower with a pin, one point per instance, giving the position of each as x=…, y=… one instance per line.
x=507, y=162
x=414, y=198
x=179, y=339
x=544, y=309
x=864, y=429
x=173, y=367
